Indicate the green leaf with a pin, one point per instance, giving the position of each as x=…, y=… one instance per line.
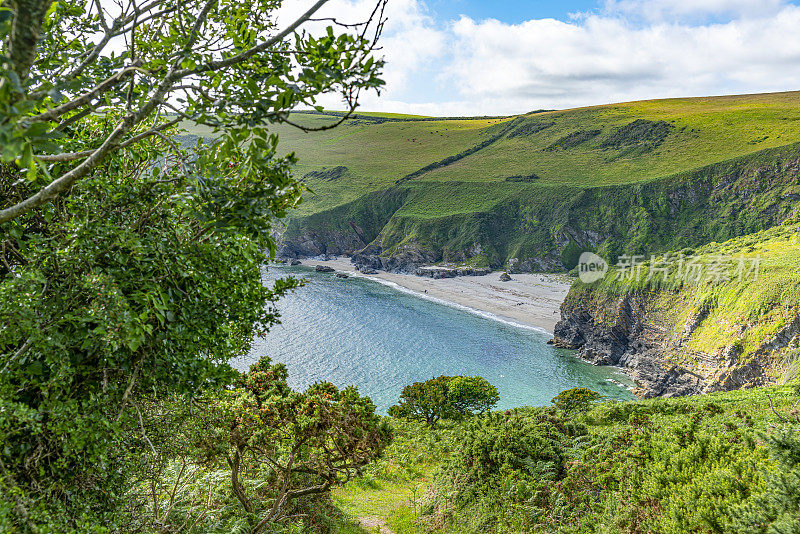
x=34, y=369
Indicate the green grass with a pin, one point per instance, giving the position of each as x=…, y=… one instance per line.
x=706, y=130
x=393, y=489
x=742, y=312
x=623, y=195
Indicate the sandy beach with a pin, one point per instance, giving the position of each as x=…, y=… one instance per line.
x=528, y=299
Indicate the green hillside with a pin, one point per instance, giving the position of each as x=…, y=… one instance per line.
x=722, y=317
x=721, y=463
x=520, y=171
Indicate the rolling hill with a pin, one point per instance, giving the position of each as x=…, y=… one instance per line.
x=517, y=192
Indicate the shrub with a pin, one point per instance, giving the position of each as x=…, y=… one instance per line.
x=273, y=452
x=500, y=475
x=777, y=508
x=571, y=255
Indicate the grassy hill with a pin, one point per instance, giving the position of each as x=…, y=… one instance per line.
x=522, y=172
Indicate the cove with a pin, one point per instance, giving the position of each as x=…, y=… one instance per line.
x=360, y=332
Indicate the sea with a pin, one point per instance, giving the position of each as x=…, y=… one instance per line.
x=380, y=337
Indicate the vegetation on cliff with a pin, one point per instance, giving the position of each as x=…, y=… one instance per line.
x=726, y=312
x=636, y=177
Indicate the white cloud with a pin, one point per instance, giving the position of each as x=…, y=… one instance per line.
x=629, y=50
x=603, y=58
x=693, y=9
x=409, y=39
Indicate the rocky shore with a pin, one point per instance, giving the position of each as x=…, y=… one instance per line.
x=637, y=332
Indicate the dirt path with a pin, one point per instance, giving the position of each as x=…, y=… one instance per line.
x=374, y=523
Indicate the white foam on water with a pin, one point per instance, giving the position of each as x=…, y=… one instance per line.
x=474, y=311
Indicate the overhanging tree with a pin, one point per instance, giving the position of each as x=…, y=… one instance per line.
x=129, y=265
x=223, y=64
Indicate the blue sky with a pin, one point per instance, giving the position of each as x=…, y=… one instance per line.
x=475, y=57
x=510, y=11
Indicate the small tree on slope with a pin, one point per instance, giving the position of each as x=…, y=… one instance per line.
x=445, y=397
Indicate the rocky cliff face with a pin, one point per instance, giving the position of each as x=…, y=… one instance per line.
x=531, y=230
x=645, y=334
x=406, y=259
x=313, y=242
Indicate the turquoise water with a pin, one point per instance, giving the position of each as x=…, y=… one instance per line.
x=360, y=332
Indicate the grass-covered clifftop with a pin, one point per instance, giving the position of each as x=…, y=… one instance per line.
x=723, y=316
x=516, y=191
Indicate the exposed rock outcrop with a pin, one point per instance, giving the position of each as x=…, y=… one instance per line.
x=405, y=260
x=451, y=272
x=634, y=331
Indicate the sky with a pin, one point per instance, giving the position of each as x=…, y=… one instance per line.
x=498, y=57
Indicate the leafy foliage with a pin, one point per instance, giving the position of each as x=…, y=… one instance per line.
x=575, y=400
x=130, y=267
x=445, y=397
x=511, y=458
x=679, y=465
x=229, y=66
x=427, y=401
x=776, y=509
x=274, y=452
x=571, y=254
x=471, y=394
x=138, y=281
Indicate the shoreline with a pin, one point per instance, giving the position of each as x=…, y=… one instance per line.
x=528, y=300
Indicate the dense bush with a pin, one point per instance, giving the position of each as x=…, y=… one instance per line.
x=775, y=509
x=657, y=466
x=503, y=467
x=124, y=286
x=570, y=255
x=265, y=452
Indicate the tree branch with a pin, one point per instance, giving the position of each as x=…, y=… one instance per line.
x=87, y=97
x=25, y=33
x=64, y=182
x=247, y=54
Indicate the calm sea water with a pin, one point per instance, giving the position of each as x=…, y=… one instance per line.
x=361, y=332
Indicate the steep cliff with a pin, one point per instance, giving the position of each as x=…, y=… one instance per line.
x=530, y=226
x=682, y=334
